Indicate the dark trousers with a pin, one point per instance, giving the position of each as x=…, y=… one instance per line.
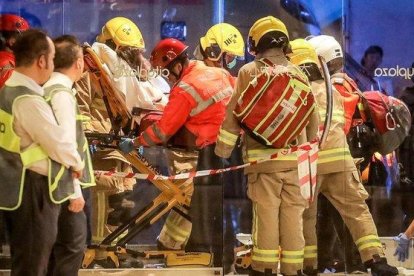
x=68, y=251
x=32, y=228
x=330, y=228
x=207, y=207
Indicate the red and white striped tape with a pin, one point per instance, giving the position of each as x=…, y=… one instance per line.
x=309, y=146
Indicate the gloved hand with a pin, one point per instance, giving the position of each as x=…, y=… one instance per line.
x=126, y=145
x=402, y=248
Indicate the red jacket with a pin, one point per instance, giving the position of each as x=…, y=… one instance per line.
x=197, y=102
x=7, y=65
x=349, y=92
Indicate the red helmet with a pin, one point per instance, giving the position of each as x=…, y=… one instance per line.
x=13, y=23
x=166, y=51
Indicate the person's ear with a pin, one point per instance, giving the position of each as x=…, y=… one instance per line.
x=42, y=62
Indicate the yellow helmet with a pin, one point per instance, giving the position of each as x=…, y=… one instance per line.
x=222, y=38
x=264, y=26
x=123, y=32
x=302, y=52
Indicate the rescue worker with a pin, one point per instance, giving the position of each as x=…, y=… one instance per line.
x=68, y=250
x=195, y=111
x=338, y=177
x=10, y=27
x=39, y=160
x=272, y=185
x=221, y=47
x=330, y=223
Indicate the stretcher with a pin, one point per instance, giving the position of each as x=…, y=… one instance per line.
x=125, y=124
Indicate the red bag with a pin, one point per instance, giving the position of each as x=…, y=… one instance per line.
x=276, y=106
x=391, y=119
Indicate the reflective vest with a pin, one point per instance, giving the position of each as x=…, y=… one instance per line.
x=334, y=156
x=207, y=90
x=14, y=162
x=88, y=178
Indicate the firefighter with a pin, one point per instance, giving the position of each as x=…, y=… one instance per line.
x=10, y=27
x=272, y=185
x=194, y=112
x=338, y=177
x=221, y=46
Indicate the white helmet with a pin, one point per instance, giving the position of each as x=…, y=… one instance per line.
x=326, y=46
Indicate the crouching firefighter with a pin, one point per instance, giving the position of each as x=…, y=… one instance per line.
x=338, y=178
x=195, y=111
x=273, y=185
x=37, y=157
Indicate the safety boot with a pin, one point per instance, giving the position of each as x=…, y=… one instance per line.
x=310, y=271
x=380, y=267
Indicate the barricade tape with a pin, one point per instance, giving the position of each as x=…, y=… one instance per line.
x=306, y=147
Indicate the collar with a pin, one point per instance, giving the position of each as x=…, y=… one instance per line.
x=19, y=79
x=59, y=78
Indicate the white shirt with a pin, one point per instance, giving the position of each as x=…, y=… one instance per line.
x=35, y=124
x=64, y=107
x=142, y=94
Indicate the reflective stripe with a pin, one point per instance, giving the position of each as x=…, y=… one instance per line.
x=147, y=139
x=337, y=116
x=203, y=104
x=175, y=232
x=257, y=154
x=33, y=155
x=361, y=106
x=292, y=257
x=227, y=137
x=302, y=86
x=82, y=118
x=335, y=154
x=368, y=241
x=158, y=133
x=101, y=214
x=265, y=255
x=311, y=251
x=8, y=138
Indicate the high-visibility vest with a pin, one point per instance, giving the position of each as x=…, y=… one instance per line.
x=88, y=178
x=14, y=162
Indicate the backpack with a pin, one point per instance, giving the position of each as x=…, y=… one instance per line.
x=390, y=117
x=276, y=105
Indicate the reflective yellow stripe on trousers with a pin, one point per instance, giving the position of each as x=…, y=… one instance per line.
x=292, y=257
x=368, y=241
x=177, y=233
x=311, y=251
x=265, y=255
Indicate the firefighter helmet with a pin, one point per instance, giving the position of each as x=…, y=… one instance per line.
x=327, y=47
x=13, y=23
x=302, y=52
x=222, y=38
x=166, y=51
x=268, y=25
x=123, y=32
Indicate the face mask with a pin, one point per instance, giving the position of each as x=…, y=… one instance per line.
x=231, y=64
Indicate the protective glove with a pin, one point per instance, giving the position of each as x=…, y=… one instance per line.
x=402, y=248
x=126, y=145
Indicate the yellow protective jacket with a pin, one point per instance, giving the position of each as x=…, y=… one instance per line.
x=253, y=150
